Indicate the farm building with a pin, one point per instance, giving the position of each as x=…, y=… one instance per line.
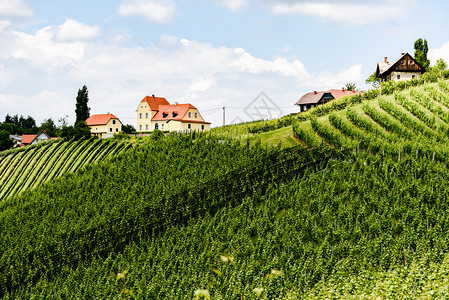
x=157, y=113
x=315, y=98
x=30, y=139
x=404, y=68
x=104, y=125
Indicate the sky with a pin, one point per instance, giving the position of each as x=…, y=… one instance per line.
x=256, y=58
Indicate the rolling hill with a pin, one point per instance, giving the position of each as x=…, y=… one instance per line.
x=359, y=209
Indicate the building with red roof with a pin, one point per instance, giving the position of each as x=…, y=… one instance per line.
x=30, y=139
x=104, y=125
x=315, y=98
x=157, y=113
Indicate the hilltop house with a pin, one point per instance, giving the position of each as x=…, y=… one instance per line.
x=315, y=98
x=104, y=125
x=157, y=113
x=404, y=68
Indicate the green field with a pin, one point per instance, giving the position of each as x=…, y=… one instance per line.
x=349, y=202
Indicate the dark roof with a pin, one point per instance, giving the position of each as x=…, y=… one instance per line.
x=315, y=97
x=383, y=68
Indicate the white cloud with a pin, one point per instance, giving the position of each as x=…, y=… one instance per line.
x=327, y=80
x=41, y=50
x=247, y=63
x=157, y=11
x=345, y=12
x=73, y=30
x=233, y=5
x=442, y=52
x=15, y=8
x=118, y=77
x=4, y=24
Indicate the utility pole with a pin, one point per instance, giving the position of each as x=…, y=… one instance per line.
x=224, y=116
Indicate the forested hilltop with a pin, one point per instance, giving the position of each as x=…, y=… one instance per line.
x=358, y=209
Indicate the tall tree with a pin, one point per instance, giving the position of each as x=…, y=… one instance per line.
x=421, y=50
x=82, y=111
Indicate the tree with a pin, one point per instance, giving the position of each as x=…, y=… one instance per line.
x=5, y=141
x=82, y=111
x=373, y=80
x=350, y=86
x=8, y=119
x=81, y=130
x=49, y=126
x=441, y=65
x=421, y=50
x=129, y=129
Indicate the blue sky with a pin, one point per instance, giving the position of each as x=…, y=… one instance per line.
x=211, y=53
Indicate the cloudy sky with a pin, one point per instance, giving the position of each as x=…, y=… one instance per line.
x=211, y=53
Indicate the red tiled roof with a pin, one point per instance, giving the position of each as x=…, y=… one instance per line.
x=155, y=102
x=101, y=119
x=315, y=97
x=165, y=112
x=28, y=138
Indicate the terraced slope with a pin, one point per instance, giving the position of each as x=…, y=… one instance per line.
x=415, y=120
x=29, y=167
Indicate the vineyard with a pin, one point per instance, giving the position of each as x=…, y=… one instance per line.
x=415, y=120
x=31, y=166
x=359, y=210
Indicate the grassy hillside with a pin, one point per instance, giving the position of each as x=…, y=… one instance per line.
x=30, y=167
x=187, y=216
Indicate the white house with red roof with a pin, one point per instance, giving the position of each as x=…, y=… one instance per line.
x=104, y=125
x=157, y=113
x=315, y=98
x=30, y=139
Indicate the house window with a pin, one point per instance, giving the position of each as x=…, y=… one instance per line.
x=202, y=127
x=398, y=77
x=140, y=115
x=113, y=122
x=96, y=128
x=162, y=126
x=403, y=62
x=156, y=126
x=110, y=129
x=189, y=126
x=146, y=127
x=140, y=127
x=413, y=76
x=190, y=114
x=116, y=129
x=411, y=62
x=196, y=115
x=146, y=115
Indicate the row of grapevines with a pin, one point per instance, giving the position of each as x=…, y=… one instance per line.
x=390, y=124
x=431, y=105
x=406, y=119
x=366, y=124
x=307, y=137
x=416, y=110
x=330, y=135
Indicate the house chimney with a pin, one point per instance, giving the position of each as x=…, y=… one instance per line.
x=153, y=96
x=386, y=59
x=176, y=103
x=403, y=53
x=342, y=89
x=314, y=92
